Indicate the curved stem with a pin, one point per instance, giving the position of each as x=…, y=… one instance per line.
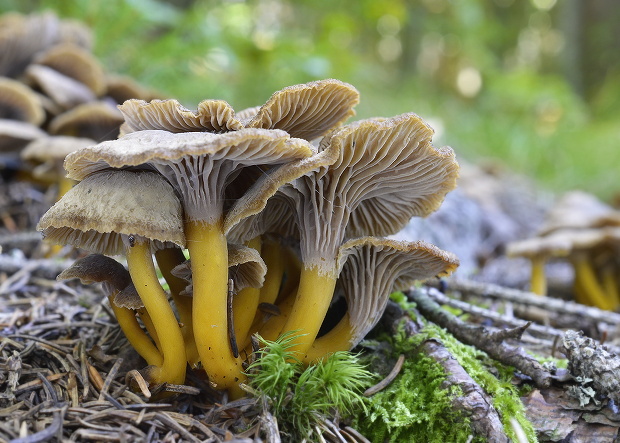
x=339, y=338
x=292, y=272
x=209, y=255
x=274, y=260
x=314, y=295
x=136, y=336
x=167, y=259
x=610, y=284
x=585, y=278
x=538, y=283
x=245, y=303
x=148, y=324
x=144, y=277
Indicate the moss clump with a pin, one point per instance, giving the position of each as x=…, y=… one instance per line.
x=415, y=408
x=299, y=398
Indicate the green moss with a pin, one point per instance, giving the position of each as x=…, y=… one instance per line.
x=415, y=408
x=299, y=398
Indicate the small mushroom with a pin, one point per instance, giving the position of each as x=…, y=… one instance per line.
x=77, y=63
x=128, y=212
x=372, y=268
x=22, y=37
x=96, y=120
x=14, y=135
x=49, y=153
x=19, y=102
x=116, y=281
x=65, y=91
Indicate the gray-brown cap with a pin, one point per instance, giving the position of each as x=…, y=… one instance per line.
x=77, y=63
x=97, y=120
x=372, y=268
x=65, y=91
x=49, y=153
x=387, y=171
x=578, y=209
x=170, y=115
x=19, y=102
x=121, y=88
x=14, y=135
x=22, y=37
x=308, y=110
x=103, y=212
x=98, y=268
x=200, y=165
x=305, y=111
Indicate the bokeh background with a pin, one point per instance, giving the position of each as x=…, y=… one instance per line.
x=527, y=86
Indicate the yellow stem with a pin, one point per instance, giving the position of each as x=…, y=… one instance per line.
x=274, y=260
x=148, y=324
x=292, y=272
x=167, y=259
x=245, y=303
x=136, y=336
x=586, y=278
x=610, y=284
x=337, y=339
x=314, y=295
x=209, y=255
x=64, y=185
x=539, y=281
x=144, y=277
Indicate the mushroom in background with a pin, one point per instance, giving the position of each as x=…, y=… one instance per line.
x=585, y=232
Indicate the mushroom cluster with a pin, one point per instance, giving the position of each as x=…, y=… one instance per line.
x=55, y=96
x=282, y=209
x=585, y=232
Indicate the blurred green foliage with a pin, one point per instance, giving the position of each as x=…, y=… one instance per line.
x=533, y=85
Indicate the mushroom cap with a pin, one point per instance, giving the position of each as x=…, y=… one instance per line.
x=199, y=164
x=565, y=242
x=19, y=102
x=245, y=267
x=308, y=110
x=578, y=209
x=49, y=152
x=103, y=210
x=129, y=298
x=14, y=135
x=24, y=36
x=62, y=89
x=77, y=63
x=170, y=115
x=122, y=88
x=98, y=268
x=372, y=268
x=387, y=171
x=54, y=147
x=305, y=111
x=95, y=120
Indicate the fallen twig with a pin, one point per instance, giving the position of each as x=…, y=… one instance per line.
x=523, y=297
x=482, y=338
x=388, y=379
